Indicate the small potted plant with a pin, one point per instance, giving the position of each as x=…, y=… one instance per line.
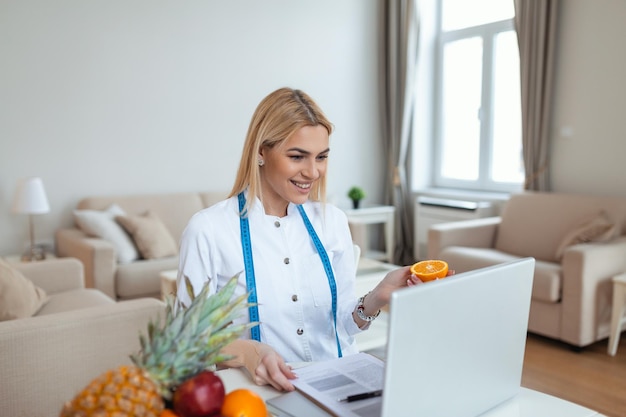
x=356, y=194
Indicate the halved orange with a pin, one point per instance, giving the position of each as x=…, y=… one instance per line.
x=430, y=270
x=243, y=402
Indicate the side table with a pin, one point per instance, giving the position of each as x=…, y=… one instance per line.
x=18, y=258
x=375, y=215
x=168, y=282
x=617, y=315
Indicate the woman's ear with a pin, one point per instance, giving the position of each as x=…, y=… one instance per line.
x=260, y=159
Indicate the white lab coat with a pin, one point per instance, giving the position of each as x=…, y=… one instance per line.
x=292, y=287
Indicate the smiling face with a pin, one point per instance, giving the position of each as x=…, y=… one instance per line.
x=291, y=168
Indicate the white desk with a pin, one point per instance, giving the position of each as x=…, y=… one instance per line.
x=528, y=403
x=373, y=215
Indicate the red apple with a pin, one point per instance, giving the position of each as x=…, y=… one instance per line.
x=199, y=396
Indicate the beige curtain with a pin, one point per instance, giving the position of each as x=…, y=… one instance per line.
x=536, y=26
x=400, y=35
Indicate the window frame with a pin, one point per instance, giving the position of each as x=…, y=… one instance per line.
x=488, y=33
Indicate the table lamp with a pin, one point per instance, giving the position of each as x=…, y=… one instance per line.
x=30, y=198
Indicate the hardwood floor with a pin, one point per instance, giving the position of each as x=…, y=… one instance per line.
x=590, y=378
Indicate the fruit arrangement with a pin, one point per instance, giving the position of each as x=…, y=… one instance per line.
x=172, y=374
x=430, y=270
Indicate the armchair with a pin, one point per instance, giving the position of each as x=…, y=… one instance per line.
x=578, y=243
x=78, y=334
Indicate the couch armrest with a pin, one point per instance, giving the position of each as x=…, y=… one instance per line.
x=97, y=255
x=54, y=275
x=477, y=233
x=46, y=360
x=587, y=289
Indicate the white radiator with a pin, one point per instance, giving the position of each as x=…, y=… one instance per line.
x=431, y=210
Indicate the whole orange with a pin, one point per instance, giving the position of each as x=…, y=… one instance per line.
x=168, y=413
x=243, y=403
x=430, y=270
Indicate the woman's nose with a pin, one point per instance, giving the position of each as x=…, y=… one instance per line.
x=311, y=171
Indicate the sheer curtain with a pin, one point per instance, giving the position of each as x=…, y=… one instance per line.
x=536, y=26
x=400, y=31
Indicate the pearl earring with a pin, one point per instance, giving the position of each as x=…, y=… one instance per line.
x=261, y=162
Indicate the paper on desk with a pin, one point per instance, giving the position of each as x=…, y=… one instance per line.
x=328, y=381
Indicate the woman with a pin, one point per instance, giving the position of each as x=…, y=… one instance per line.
x=296, y=251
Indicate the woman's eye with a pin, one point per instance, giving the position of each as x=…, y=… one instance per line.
x=322, y=157
x=296, y=157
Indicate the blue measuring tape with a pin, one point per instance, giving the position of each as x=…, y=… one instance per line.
x=253, y=310
x=329, y=270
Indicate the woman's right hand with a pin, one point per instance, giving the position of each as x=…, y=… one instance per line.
x=270, y=368
x=264, y=364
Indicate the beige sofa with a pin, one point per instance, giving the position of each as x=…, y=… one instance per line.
x=139, y=277
x=578, y=242
x=77, y=334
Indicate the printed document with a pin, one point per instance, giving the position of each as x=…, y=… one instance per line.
x=327, y=382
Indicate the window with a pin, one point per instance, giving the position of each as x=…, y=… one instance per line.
x=477, y=129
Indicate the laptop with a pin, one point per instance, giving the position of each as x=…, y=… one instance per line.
x=455, y=346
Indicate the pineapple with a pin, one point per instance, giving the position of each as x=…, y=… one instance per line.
x=188, y=342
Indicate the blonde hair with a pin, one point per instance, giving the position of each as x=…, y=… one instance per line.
x=276, y=118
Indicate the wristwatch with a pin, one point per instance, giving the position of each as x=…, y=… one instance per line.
x=360, y=310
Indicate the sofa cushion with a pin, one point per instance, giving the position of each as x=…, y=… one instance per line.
x=19, y=297
x=102, y=224
x=464, y=258
x=594, y=228
x=546, y=280
x=74, y=300
x=150, y=235
x=141, y=278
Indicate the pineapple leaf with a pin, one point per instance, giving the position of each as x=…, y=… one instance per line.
x=189, y=288
x=190, y=338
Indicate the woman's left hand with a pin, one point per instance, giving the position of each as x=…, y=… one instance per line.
x=394, y=280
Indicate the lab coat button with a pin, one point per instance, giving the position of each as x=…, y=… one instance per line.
x=277, y=223
x=286, y=261
x=300, y=331
x=294, y=297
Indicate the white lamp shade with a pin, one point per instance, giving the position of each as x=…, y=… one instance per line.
x=30, y=197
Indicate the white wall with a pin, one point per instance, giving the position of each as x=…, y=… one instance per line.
x=140, y=96
x=591, y=93
x=134, y=96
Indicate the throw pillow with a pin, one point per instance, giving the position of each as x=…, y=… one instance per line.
x=102, y=224
x=594, y=228
x=19, y=297
x=150, y=235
